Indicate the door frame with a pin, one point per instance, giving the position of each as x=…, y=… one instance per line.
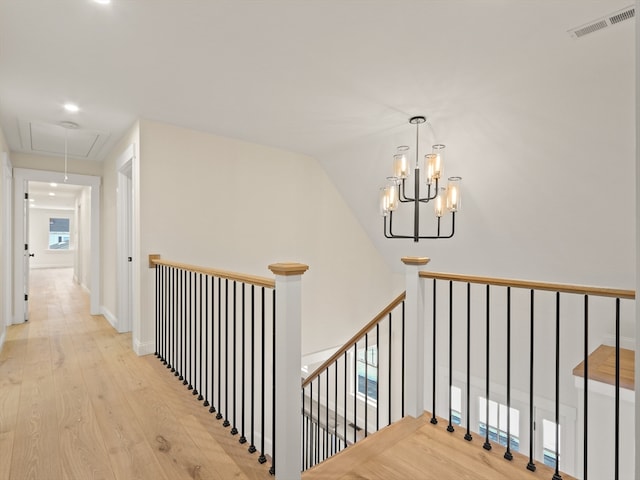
x=125, y=243
x=7, y=215
x=22, y=175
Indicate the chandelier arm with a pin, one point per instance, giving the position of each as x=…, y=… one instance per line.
x=436, y=237
x=390, y=234
x=402, y=197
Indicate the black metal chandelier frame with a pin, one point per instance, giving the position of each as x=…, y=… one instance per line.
x=416, y=199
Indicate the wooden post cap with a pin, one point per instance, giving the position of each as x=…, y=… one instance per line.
x=288, y=269
x=415, y=260
x=152, y=257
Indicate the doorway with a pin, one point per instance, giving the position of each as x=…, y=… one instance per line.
x=125, y=243
x=22, y=252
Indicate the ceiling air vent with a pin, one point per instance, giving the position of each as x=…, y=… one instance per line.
x=614, y=18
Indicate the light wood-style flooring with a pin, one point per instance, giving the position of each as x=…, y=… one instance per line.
x=77, y=403
x=414, y=449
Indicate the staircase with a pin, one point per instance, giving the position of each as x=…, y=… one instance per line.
x=413, y=448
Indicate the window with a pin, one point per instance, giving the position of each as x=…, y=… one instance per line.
x=368, y=372
x=549, y=442
x=456, y=405
x=498, y=423
x=59, y=234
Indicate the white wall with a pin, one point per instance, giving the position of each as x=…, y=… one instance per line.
x=83, y=214
x=228, y=204
x=109, y=222
x=39, y=239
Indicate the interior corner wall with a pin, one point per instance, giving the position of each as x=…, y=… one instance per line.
x=109, y=221
x=228, y=204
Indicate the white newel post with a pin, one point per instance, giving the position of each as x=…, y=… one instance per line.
x=288, y=354
x=414, y=336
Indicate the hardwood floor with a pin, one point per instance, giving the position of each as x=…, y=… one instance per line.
x=415, y=449
x=77, y=403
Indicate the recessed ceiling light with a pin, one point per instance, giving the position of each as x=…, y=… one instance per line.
x=103, y=2
x=51, y=194
x=53, y=184
x=71, y=107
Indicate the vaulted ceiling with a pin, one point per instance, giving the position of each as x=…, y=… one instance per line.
x=503, y=83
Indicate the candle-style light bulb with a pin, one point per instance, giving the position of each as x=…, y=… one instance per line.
x=453, y=194
x=439, y=205
x=401, y=163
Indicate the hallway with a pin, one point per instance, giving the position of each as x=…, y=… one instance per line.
x=77, y=403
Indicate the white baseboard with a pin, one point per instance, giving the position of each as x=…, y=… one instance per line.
x=3, y=338
x=143, y=348
x=625, y=342
x=85, y=288
x=111, y=318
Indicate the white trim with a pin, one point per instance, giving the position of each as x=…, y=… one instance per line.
x=3, y=337
x=106, y=313
x=7, y=255
x=22, y=175
x=125, y=245
x=143, y=348
x=625, y=342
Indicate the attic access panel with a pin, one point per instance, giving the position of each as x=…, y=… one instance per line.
x=49, y=138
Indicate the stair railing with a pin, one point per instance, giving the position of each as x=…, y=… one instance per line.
x=472, y=315
x=224, y=336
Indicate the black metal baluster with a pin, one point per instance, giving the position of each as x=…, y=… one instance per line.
x=467, y=435
x=450, y=426
x=487, y=444
x=189, y=350
x=170, y=319
x=312, y=452
x=335, y=403
x=402, y=366
x=226, y=422
x=586, y=387
x=377, y=375
x=219, y=413
x=617, y=434
x=326, y=410
x=262, y=458
x=345, y=397
x=252, y=447
x=212, y=408
x=318, y=429
x=556, y=475
x=206, y=337
x=243, y=438
x=355, y=393
x=157, y=274
x=434, y=420
x=179, y=360
x=304, y=433
x=508, y=455
x=390, y=356
x=234, y=429
x=272, y=469
x=366, y=383
x=200, y=396
x=531, y=466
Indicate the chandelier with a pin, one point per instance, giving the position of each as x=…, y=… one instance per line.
x=445, y=200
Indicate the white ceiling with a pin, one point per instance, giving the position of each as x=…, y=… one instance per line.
x=308, y=76
x=505, y=86
x=63, y=198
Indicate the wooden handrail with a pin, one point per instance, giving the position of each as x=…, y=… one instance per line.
x=554, y=287
x=361, y=333
x=240, y=277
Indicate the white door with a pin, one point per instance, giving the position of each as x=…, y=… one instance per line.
x=27, y=254
x=125, y=247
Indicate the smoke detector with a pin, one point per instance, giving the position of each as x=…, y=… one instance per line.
x=601, y=23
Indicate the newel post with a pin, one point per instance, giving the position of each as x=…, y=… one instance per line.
x=414, y=336
x=288, y=356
